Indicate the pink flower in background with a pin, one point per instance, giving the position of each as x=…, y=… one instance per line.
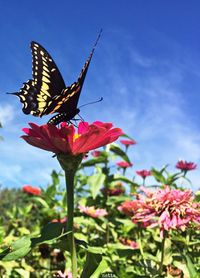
x=144, y=173
x=185, y=166
x=131, y=207
x=170, y=208
x=174, y=209
x=128, y=142
x=31, y=190
x=129, y=242
x=96, y=153
x=93, y=212
x=63, y=139
x=124, y=164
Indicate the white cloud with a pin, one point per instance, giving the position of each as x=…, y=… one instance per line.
x=7, y=113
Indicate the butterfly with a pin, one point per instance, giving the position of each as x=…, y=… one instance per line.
x=46, y=93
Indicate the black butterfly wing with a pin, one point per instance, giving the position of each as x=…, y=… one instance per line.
x=47, y=78
x=27, y=96
x=36, y=94
x=68, y=100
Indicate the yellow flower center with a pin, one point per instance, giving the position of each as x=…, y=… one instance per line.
x=76, y=136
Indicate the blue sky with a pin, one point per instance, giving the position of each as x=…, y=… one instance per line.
x=146, y=66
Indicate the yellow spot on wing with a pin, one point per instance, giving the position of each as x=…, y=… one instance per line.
x=22, y=97
x=44, y=62
x=40, y=98
x=42, y=104
x=45, y=93
x=46, y=69
x=46, y=74
x=45, y=87
x=45, y=79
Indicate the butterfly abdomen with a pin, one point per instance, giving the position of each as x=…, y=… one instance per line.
x=63, y=117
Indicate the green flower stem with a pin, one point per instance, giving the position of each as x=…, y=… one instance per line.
x=140, y=241
x=70, y=164
x=162, y=253
x=69, y=176
x=124, y=171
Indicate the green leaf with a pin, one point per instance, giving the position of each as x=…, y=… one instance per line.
x=190, y=267
x=94, y=266
x=103, y=266
x=127, y=136
x=94, y=161
x=124, y=179
x=117, y=150
x=95, y=183
x=158, y=175
x=167, y=253
x=91, y=264
x=50, y=232
x=21, y=247
x=91, y=249
x=197, y=196
x=114, y=200
x=41, y=201
x=18, y=249
x=123, y=250
x=24, y=273
x=95, y=250
x=183, y=267
x=55, y=178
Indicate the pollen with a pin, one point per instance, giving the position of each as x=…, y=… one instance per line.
x=76, y=136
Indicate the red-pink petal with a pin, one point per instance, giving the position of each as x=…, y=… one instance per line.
x=82, y=127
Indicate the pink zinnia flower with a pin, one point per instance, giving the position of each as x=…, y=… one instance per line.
x=63, y=139
x=171, y=208
x=129, y=242
x=96, y=153
x=124, y=164
x=31, y=190
x=130, y=207
x=144, y=173
x=93, y=212
x=128, y=142
x=185, y=166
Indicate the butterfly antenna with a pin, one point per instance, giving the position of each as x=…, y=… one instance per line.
x=91, y=102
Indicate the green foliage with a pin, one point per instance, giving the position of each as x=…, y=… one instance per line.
x=33, y=233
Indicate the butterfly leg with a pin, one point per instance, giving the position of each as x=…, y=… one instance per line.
x=81, y=118
x=74, y=124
